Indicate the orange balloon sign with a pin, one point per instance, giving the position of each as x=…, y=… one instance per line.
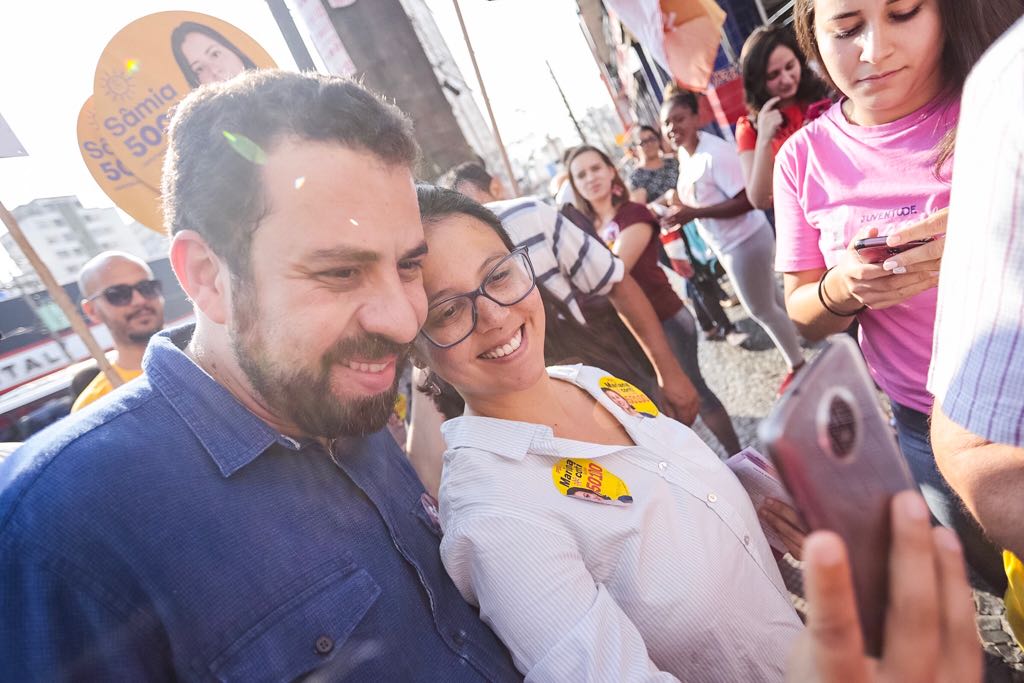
x=130, y=194
x=149, y=66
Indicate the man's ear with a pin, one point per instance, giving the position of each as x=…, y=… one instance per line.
x=89, y=311
x=497, y=189
x=204, y=277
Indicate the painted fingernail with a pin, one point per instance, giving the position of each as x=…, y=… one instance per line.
x=899, y=270
x=890, y=265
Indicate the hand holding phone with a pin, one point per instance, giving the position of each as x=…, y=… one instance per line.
x=838, y=457
x=931, y=610
x=877, y=249
x=853, y=282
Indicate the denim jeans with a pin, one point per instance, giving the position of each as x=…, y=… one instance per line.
x=912, y=432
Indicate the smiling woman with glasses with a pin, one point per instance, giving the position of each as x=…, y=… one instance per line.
x=559, y=481
x=453, y=318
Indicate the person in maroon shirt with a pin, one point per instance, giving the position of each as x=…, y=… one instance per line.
x=631, y=231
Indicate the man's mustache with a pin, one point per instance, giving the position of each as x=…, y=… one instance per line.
x=141, y=310
x=366, y=348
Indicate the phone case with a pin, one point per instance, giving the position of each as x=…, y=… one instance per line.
x=837, y=455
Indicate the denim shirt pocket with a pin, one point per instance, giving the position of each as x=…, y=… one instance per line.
x=304, y=633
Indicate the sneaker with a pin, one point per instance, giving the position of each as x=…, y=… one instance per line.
x=736, y=338
x=787, y=380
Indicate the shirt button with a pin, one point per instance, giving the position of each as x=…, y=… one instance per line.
x=323, y=645
x=662, y=467
x=712, y=498
x=746, y=540
x=459, y=637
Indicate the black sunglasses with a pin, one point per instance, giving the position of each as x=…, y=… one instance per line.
x=121, y=295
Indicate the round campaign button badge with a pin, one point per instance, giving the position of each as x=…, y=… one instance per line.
x=627, y=397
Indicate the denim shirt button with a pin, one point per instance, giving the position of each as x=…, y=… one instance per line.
x=459, y=637
x=324, y=645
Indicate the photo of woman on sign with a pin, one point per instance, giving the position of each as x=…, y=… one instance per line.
x=205, y=56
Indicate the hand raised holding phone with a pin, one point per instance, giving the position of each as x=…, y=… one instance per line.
x=930, y=628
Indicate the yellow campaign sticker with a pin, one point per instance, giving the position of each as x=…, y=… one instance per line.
x=401, y=408
x=587, y=480
x=623, y=394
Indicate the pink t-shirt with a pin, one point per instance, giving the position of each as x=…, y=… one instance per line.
x=833, y=178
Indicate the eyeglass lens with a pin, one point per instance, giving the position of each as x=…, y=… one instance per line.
x=121, y=295
x=452, y=320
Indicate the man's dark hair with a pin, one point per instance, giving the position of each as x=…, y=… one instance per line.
x=468, y=172
x=221, y=134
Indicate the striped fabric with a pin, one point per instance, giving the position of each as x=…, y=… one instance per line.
x=679, y=583
x=977, y=370
x=564, y=257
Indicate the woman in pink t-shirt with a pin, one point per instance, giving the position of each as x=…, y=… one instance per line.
x=877, y=163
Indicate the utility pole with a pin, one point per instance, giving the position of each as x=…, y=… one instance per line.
x=565, y=101
x=291, y=35
x=487, y=102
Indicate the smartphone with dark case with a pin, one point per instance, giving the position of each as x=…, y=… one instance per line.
x=875, y=250
x=837, y=455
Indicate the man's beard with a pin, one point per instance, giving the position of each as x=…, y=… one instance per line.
x=304, y=397
x=143, y=336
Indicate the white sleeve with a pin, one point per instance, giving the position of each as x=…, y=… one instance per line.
x=535, y=591
x=727, y=170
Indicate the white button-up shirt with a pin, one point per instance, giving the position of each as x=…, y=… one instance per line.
x=679, y=583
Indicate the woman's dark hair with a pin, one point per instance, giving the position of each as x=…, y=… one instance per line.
x=620, y=193
x=676, y=96
x=648, y=129
x=969, y=27
x=178, y=37
x=565, y=339
x=211, y=187
x=754, y=64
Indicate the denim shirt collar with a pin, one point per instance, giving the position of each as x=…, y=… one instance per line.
x=231, y=434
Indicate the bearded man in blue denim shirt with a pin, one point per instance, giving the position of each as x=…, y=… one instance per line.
x=236, y=513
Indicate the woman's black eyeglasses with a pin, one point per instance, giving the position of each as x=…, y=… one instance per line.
x=451, y=320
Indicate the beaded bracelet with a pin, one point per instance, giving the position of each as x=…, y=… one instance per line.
x=821, y=298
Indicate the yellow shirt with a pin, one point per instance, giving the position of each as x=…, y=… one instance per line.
x=100, y=386
x=1015, y=595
